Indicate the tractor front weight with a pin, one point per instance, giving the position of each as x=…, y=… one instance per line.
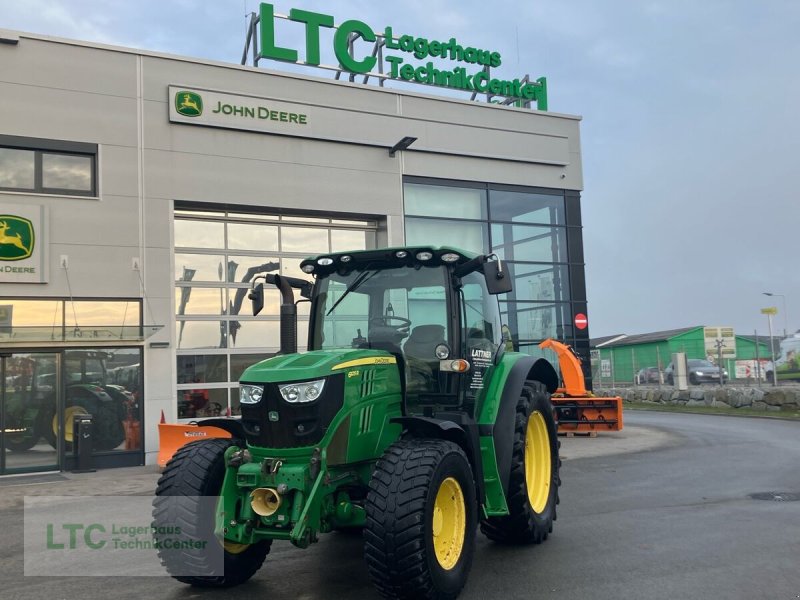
x=293, y=497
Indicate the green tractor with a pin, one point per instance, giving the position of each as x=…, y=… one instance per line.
x=407, y=418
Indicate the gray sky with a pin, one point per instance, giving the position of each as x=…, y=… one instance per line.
x=690, y=146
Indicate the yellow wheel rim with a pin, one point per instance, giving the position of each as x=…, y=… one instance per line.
x=234, y=548
x=449, y=523
x=538, y=466
x=69, y=434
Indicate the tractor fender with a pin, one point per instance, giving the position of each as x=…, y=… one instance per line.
x=232, y=426
x=464, y=434
x=524, y=369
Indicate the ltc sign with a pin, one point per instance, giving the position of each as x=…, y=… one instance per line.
x=420, y=48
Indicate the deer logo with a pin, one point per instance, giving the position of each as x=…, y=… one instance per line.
x=189, y=104
x=16, y=238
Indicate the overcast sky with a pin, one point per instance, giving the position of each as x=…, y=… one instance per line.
x=690, y=135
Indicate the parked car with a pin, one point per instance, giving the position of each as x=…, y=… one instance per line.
x=648, y=375
x=699, y=371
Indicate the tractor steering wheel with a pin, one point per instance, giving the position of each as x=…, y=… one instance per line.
x=386, y=321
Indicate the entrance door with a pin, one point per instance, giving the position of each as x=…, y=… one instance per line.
x=29, y=399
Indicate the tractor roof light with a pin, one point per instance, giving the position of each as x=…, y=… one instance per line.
x=450, y=257
x=424, y=255
x=325, y=261
x=346, y=258
x=401, y=254
x=307, y=268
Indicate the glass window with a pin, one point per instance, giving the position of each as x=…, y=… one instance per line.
x=106, y=312
x=21, y=313
x=254, y=334
x=441, y=201
x=242, y=269
x=201, y=334
x=202, y=368
x=544, y=283
x=347, y=239
x=202, y=402
x=199, y=234
x=251, y=236
x=481, y=316
x=16, y=169
x=529, y=321
x=529, y=243
x=67, y=172
x=308, y=240
x=466, y=235
x=525, y=207
x=200, y=301
x=199, y=267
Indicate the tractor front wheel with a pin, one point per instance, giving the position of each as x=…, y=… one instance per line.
x=533, y=483
x=194, y=472
x=419, y=537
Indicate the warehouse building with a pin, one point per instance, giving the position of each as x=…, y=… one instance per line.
x=140, y=194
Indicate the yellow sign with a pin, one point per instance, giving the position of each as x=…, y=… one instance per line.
x=772, y=310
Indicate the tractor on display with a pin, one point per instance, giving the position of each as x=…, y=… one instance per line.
x=407, y=418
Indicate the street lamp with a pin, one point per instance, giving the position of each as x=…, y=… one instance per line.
x=785, y=315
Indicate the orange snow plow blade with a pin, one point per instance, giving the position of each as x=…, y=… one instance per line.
x=172, y=436
x=577, y=410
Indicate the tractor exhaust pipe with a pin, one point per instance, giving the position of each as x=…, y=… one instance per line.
x=288, y=316
x=265, y=501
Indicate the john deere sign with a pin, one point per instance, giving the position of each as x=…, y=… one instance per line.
x=467, y=68
x=21, y=235
x=189, y=104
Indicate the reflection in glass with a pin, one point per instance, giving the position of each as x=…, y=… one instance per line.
x=440, y=201
x=529, y=321
x=247, y=236
x=199, y=234
x=30, y=391
x=524, y=207
x=108, y=312
x=348, y=239
x=16, y=168
x=202, y=368
x=202, y=402
x=529, y=243
x=255, y=334
x=67, y=172
x=544, y=283
x=466, y=235
x=201, y=334
x=20, y=313
x=242, y=268
x=199, y=267
x=200, y=301
x=307, y=240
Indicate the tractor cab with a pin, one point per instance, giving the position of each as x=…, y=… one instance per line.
x=433, y=309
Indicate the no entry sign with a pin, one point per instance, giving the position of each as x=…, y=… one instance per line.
x=581, y=321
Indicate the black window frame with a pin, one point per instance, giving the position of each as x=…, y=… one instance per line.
x=41, y=147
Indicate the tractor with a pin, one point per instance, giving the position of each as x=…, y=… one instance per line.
x=407, y=418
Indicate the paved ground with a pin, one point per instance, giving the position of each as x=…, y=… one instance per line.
x=660, y=510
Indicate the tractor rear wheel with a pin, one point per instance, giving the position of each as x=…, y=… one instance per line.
x=419, y=537
x=196, y=470
x=533, y=483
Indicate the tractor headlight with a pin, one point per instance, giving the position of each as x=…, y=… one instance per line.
x=250, y=394
x=302, y=392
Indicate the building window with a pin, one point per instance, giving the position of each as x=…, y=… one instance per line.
x=217, y=254
x=47, y=166
x=527, y=228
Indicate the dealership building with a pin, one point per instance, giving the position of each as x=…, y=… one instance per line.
x=140, y=193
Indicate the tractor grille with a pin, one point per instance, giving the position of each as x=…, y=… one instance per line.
x=275, y=423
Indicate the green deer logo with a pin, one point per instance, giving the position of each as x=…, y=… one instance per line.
x=189, y=104
x=16, y=238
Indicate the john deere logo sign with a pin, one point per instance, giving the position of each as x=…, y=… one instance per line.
x=16, y=238
x=189, y=104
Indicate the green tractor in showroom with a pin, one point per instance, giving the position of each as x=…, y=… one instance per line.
x=407, y=418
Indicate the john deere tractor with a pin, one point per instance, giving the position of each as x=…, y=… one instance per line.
x=407, y=418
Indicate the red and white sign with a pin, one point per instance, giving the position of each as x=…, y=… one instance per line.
x=581, y=321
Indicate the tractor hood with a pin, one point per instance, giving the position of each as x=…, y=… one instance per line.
x=313, y=365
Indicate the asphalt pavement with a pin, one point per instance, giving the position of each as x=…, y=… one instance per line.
x=673, y=506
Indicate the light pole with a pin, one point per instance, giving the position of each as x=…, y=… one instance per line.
x=785, y=314
x=769, y=312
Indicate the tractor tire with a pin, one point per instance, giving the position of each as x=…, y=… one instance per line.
x=533, y=483
x=197, y=469
x=419, y=536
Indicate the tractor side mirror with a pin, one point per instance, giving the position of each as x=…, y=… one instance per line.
x=498, y=279
x=256, y=296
